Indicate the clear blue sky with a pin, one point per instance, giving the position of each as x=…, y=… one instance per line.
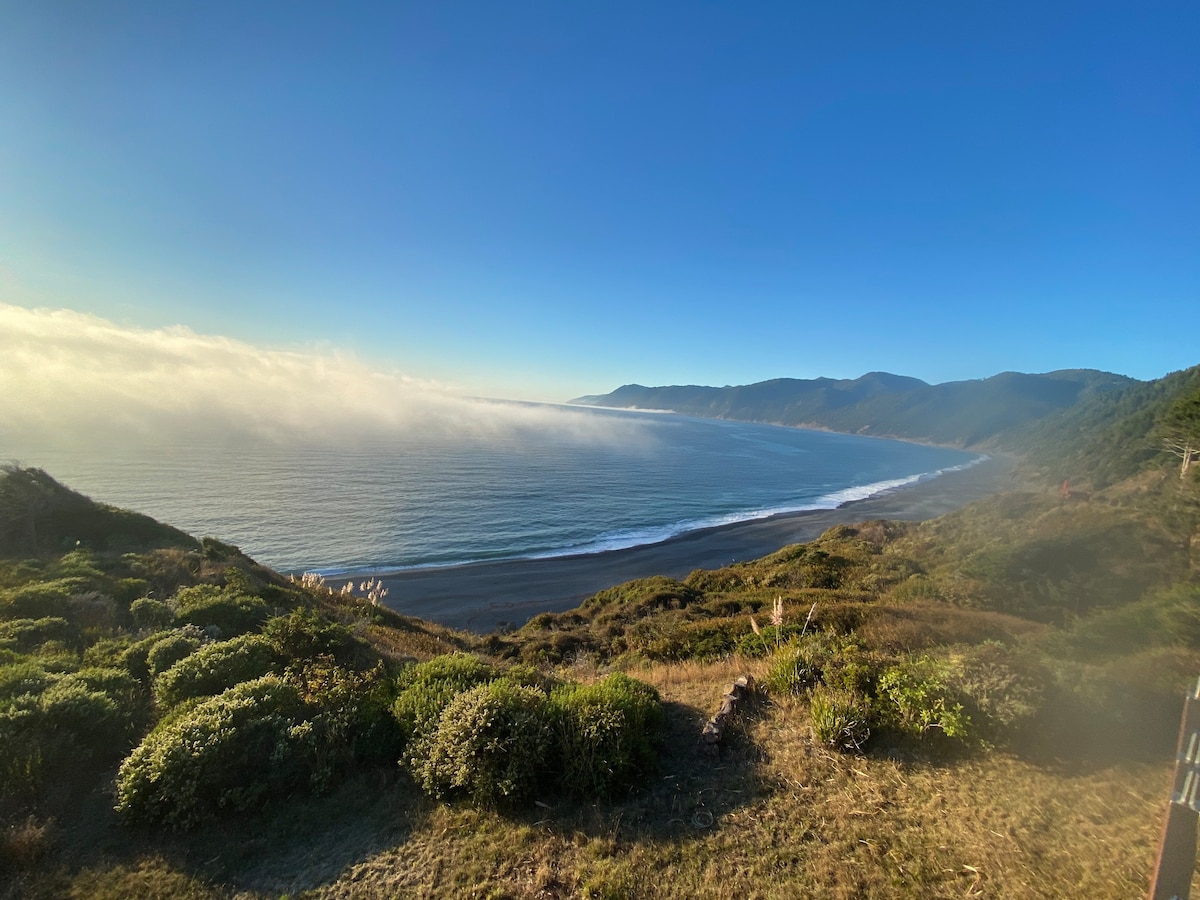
x=540, y=200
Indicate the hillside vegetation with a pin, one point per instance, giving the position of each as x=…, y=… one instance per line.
x=962, y=413
x=983, y=704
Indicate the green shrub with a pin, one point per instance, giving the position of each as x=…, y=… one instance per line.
x=24, y=677
x=22, y=755
x=63, y=725
x=150, y=613
x=607, y=734
x=425, y=689
x=91, y=717
x=116, y=684
x=840, y=718
x=170, y=649
x=815, y=659
x=213, y=549
x=41, y=599
x=1002, y=692
x=489, y=747
x=108, y=652
x=136, y=657
x=1128, y=706
x=918, y=699
x=306, y=635
x=215, y=667
x=230, y=753
x=207, y=606
x=350, y=721
x=1179, y=614
x=23, y=635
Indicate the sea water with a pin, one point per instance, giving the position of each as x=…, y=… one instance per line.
x=590, y=481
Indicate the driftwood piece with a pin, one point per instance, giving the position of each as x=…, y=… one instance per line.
x=714, y=728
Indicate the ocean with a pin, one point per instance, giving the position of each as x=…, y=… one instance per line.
x=576, y=480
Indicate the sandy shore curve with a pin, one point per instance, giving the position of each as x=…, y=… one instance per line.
x=485, y=596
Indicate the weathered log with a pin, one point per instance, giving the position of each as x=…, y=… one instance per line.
x=714, y=729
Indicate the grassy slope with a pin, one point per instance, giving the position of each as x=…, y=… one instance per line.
x=1081, y=590
x=774, y=817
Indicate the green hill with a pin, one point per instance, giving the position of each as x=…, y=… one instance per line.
x=39, y=515
x=1109, y=435
x=965, y=413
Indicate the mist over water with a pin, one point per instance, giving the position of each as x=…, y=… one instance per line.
x=552, y=482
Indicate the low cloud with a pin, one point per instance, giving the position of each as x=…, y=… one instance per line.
x=67, y=377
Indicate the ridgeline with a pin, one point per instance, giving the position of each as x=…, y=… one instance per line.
x=986, y=412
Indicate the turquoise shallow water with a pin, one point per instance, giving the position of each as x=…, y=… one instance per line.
x=591, y=480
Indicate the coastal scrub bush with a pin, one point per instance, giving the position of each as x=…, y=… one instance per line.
x=88, y=718
x=23, y=677
x=489, y=747
x=918, y=698
x=62, y=723
x=21, y=753
x=150, y=613
x=232, y=613
x=840, y=718
x=350, y=718
x=607, y=734
x=816, y=659
x=424, y=690
x=1165, y=617
x=23, y=635
x=1002, y=692
x=169, y=649
x=214, y=668
x=135, y=657
x=116, y=684
x=231, y=753
x=107, y=652
x=305, y=635
x=39, y=599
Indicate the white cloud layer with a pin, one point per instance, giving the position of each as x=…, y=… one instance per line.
x=67, y=377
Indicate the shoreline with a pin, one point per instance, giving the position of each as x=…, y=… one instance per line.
x=484, y=596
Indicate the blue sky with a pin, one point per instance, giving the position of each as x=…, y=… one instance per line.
x=541, y=200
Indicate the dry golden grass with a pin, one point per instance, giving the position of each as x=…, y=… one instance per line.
x=772, y=817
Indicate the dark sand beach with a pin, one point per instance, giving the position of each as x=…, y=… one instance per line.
x=482, y=597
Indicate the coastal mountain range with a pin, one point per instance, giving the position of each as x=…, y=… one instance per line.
x=972, y=413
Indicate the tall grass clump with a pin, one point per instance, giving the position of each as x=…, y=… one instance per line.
x=816, y=659
x=840, y=718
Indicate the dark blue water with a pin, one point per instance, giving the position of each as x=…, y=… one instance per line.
x=583, y=481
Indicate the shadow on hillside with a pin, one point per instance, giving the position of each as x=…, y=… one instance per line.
x=690, y=795
x=305, y=844
x=299, y=845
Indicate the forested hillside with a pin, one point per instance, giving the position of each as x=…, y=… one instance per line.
x=980, y=704
x=964, y=413
x=1110, y=435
